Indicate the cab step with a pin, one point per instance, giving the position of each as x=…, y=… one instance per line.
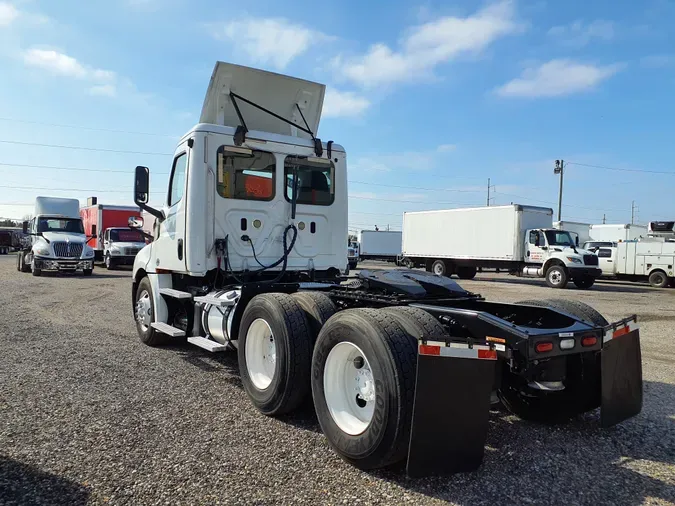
x=207, y=344
x=175, y=294
x=167, y=329
x=214, y=301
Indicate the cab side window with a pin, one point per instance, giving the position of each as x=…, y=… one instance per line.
x=177, y=185
x=604, y=253
x=534, y=237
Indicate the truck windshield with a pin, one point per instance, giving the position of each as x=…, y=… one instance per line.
x=559, y=238
x=117, y=235
x=71, y=225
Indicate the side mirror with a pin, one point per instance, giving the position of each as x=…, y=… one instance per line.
x=142, y=185
x=577, y=241
x=24, y=227
x=135, y=222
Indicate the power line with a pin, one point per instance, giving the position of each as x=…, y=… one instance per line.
x=620, y=169
x=52, y=167
x=417, y=187
x=67, y=189
x=83, y=148
x=95, y=129
x=554, y=203
x=411, y=201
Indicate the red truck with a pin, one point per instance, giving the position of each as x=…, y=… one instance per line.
x=98, y=218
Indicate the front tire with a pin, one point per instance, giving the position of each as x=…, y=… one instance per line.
x=109, y=262
x=466, y=272
x=363, y=386
x=34, y=270
x=556, y=276
x=87, y=272
x=144, y=311
x=274, y=353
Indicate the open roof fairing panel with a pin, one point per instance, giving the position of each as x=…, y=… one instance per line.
x=275, y=92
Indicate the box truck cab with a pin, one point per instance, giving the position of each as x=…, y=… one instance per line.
x=58, y=241
x=121, y=245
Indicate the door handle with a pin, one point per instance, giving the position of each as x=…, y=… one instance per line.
x=180, y=249
x=609, y=260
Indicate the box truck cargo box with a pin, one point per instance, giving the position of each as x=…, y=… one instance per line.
x=379, y=245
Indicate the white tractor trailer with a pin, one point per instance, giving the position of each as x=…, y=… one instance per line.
x=248, y=255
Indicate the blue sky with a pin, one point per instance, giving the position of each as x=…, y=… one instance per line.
x=429, y=98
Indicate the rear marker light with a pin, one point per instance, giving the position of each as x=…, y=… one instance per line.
x=589, y=341
x=543, y=347
x=566, y=344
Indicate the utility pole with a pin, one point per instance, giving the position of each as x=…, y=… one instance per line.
x=558, y=169
x=604, y=219
x=488, y=199
x=632, y=213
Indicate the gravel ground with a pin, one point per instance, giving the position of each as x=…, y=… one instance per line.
x=89, y=415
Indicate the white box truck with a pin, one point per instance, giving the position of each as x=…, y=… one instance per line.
x=517, y=238
x=250, y=257
x=576, y=228
x=379, y=245
x=58, y=241
x=607, y=232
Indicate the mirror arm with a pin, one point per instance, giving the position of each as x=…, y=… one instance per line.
x=155, y=212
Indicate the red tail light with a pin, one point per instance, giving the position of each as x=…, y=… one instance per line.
x=589, y=341
x=543, y=347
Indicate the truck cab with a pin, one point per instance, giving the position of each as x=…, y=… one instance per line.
x=58, y=242
x=558, y=257
x=353, y=254
x=121, y=245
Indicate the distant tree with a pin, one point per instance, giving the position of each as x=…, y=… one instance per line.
x=352, y=238
x=7, y=223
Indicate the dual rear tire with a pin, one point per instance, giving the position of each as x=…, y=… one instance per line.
x=359, y=365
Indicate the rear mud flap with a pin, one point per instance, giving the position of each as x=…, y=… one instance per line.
x=621, y=378
x=451, y=410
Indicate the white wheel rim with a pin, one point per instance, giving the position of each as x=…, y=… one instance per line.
x=438, y=269
x=261, y=354
x=144, y=310
x=349, y=390
x=555, y=277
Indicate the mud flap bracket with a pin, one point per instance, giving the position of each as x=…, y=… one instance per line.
x=451, y=409
x=621, y=374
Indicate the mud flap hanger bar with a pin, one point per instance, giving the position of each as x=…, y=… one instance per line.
x=451, y=407
x=242, y=130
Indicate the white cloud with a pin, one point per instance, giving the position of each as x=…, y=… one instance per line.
x=658, y=61
x=580, y=34
x=343, y=103
x=104, y=90
x=8, y=13
x=62, y=64
x=428, y=45
x=403, y=161
x=445, y=148
x=557, y=77
x=269, y=41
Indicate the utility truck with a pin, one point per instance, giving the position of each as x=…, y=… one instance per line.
x=58, y=242
x=249, y=256
x=650, y=258
x=616, y=232
x=516, y=238
x=113, y=242
x=379, y=245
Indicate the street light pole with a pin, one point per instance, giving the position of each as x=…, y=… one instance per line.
x=558, y=169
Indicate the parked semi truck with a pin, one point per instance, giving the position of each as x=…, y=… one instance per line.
x=352, y=254
x=113, y=242
x=58, y=241
x=516, y=238
x=400, y=365
x=6, y=241
x=379, y=245
x=650, y=258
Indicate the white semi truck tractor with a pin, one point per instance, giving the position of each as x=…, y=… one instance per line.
x=58, y=242
x=248, y=255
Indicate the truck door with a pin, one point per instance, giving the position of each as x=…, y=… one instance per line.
x=535, y=248
x=607, y=260
x=170, y=244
